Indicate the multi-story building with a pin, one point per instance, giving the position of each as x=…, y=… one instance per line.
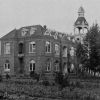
x=40, y=49
x=35, y=48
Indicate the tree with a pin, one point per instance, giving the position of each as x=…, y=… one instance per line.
x=91, y=38
x=88, y=53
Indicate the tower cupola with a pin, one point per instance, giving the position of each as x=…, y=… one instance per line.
x=81, y=12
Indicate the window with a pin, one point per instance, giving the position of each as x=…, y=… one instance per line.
x=48, y=66
x=57, y=51
x=64, y=51
x=48, y=47
x=72, y=52
x=7, y=48
x=7, y=67
x=32, y=47
x=0, y=47
x=32, y=30
x=24, y=31
x=56, y=66
x=32, y=65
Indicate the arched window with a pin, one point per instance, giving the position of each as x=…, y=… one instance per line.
x=48, y=65
x=48, y=47
x=32, y=65
x=57, y=49
x=7, y=66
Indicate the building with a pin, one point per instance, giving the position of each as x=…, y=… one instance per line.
x=81, y=26
x=40, y=49
x=35, y=48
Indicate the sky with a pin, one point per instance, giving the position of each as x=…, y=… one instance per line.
x=59, y=15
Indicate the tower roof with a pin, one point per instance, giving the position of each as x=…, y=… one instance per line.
x=81, y=21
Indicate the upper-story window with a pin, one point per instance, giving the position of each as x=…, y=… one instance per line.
x=32, y=30
x=48, y=47
x=0, y=47
x=7, y=48
x=32, y=47
x=64, y=51
x=57, y=49
x=24, y=31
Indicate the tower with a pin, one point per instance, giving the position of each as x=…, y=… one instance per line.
x=80, y=25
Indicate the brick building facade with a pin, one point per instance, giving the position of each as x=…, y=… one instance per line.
x=36, y=48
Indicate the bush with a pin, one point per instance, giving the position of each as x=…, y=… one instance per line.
x=45, y=83
x=34, y=75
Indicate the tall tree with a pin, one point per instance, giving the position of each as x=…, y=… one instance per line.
x=91, y=38
x=88, y=53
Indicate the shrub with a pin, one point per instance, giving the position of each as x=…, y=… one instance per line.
x=45, y=83
x=34, y=75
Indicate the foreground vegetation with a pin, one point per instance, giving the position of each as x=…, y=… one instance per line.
x=19, y=89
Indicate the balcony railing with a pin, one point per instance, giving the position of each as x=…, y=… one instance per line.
x=21, y=55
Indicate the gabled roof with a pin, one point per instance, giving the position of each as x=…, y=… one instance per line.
x=10, y=35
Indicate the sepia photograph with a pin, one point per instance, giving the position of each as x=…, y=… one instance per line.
x=49, y=49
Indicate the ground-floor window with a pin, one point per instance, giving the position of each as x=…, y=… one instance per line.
x=56, y=65
x=48, y=66
x=7, y=66
x=32, y=65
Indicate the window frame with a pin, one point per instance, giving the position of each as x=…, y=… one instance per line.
x=7, y=48
x=47, y=44
x=48, y=69
x=7, y=67
x=33, y=64
x=57, y=49
x=33, y=48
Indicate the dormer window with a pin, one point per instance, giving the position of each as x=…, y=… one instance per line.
x=24, y=31
x=47, y=32
x=32, y=30
x=55, y=36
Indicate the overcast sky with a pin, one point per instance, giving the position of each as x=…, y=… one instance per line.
x=56, y=14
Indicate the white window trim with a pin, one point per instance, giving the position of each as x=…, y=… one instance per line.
x=31, y=62
x=57, y=49
x=6, y=69
x=33, y=49
x=46, y=46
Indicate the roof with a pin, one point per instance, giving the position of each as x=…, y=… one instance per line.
x=81, y=21
x=10, y=35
